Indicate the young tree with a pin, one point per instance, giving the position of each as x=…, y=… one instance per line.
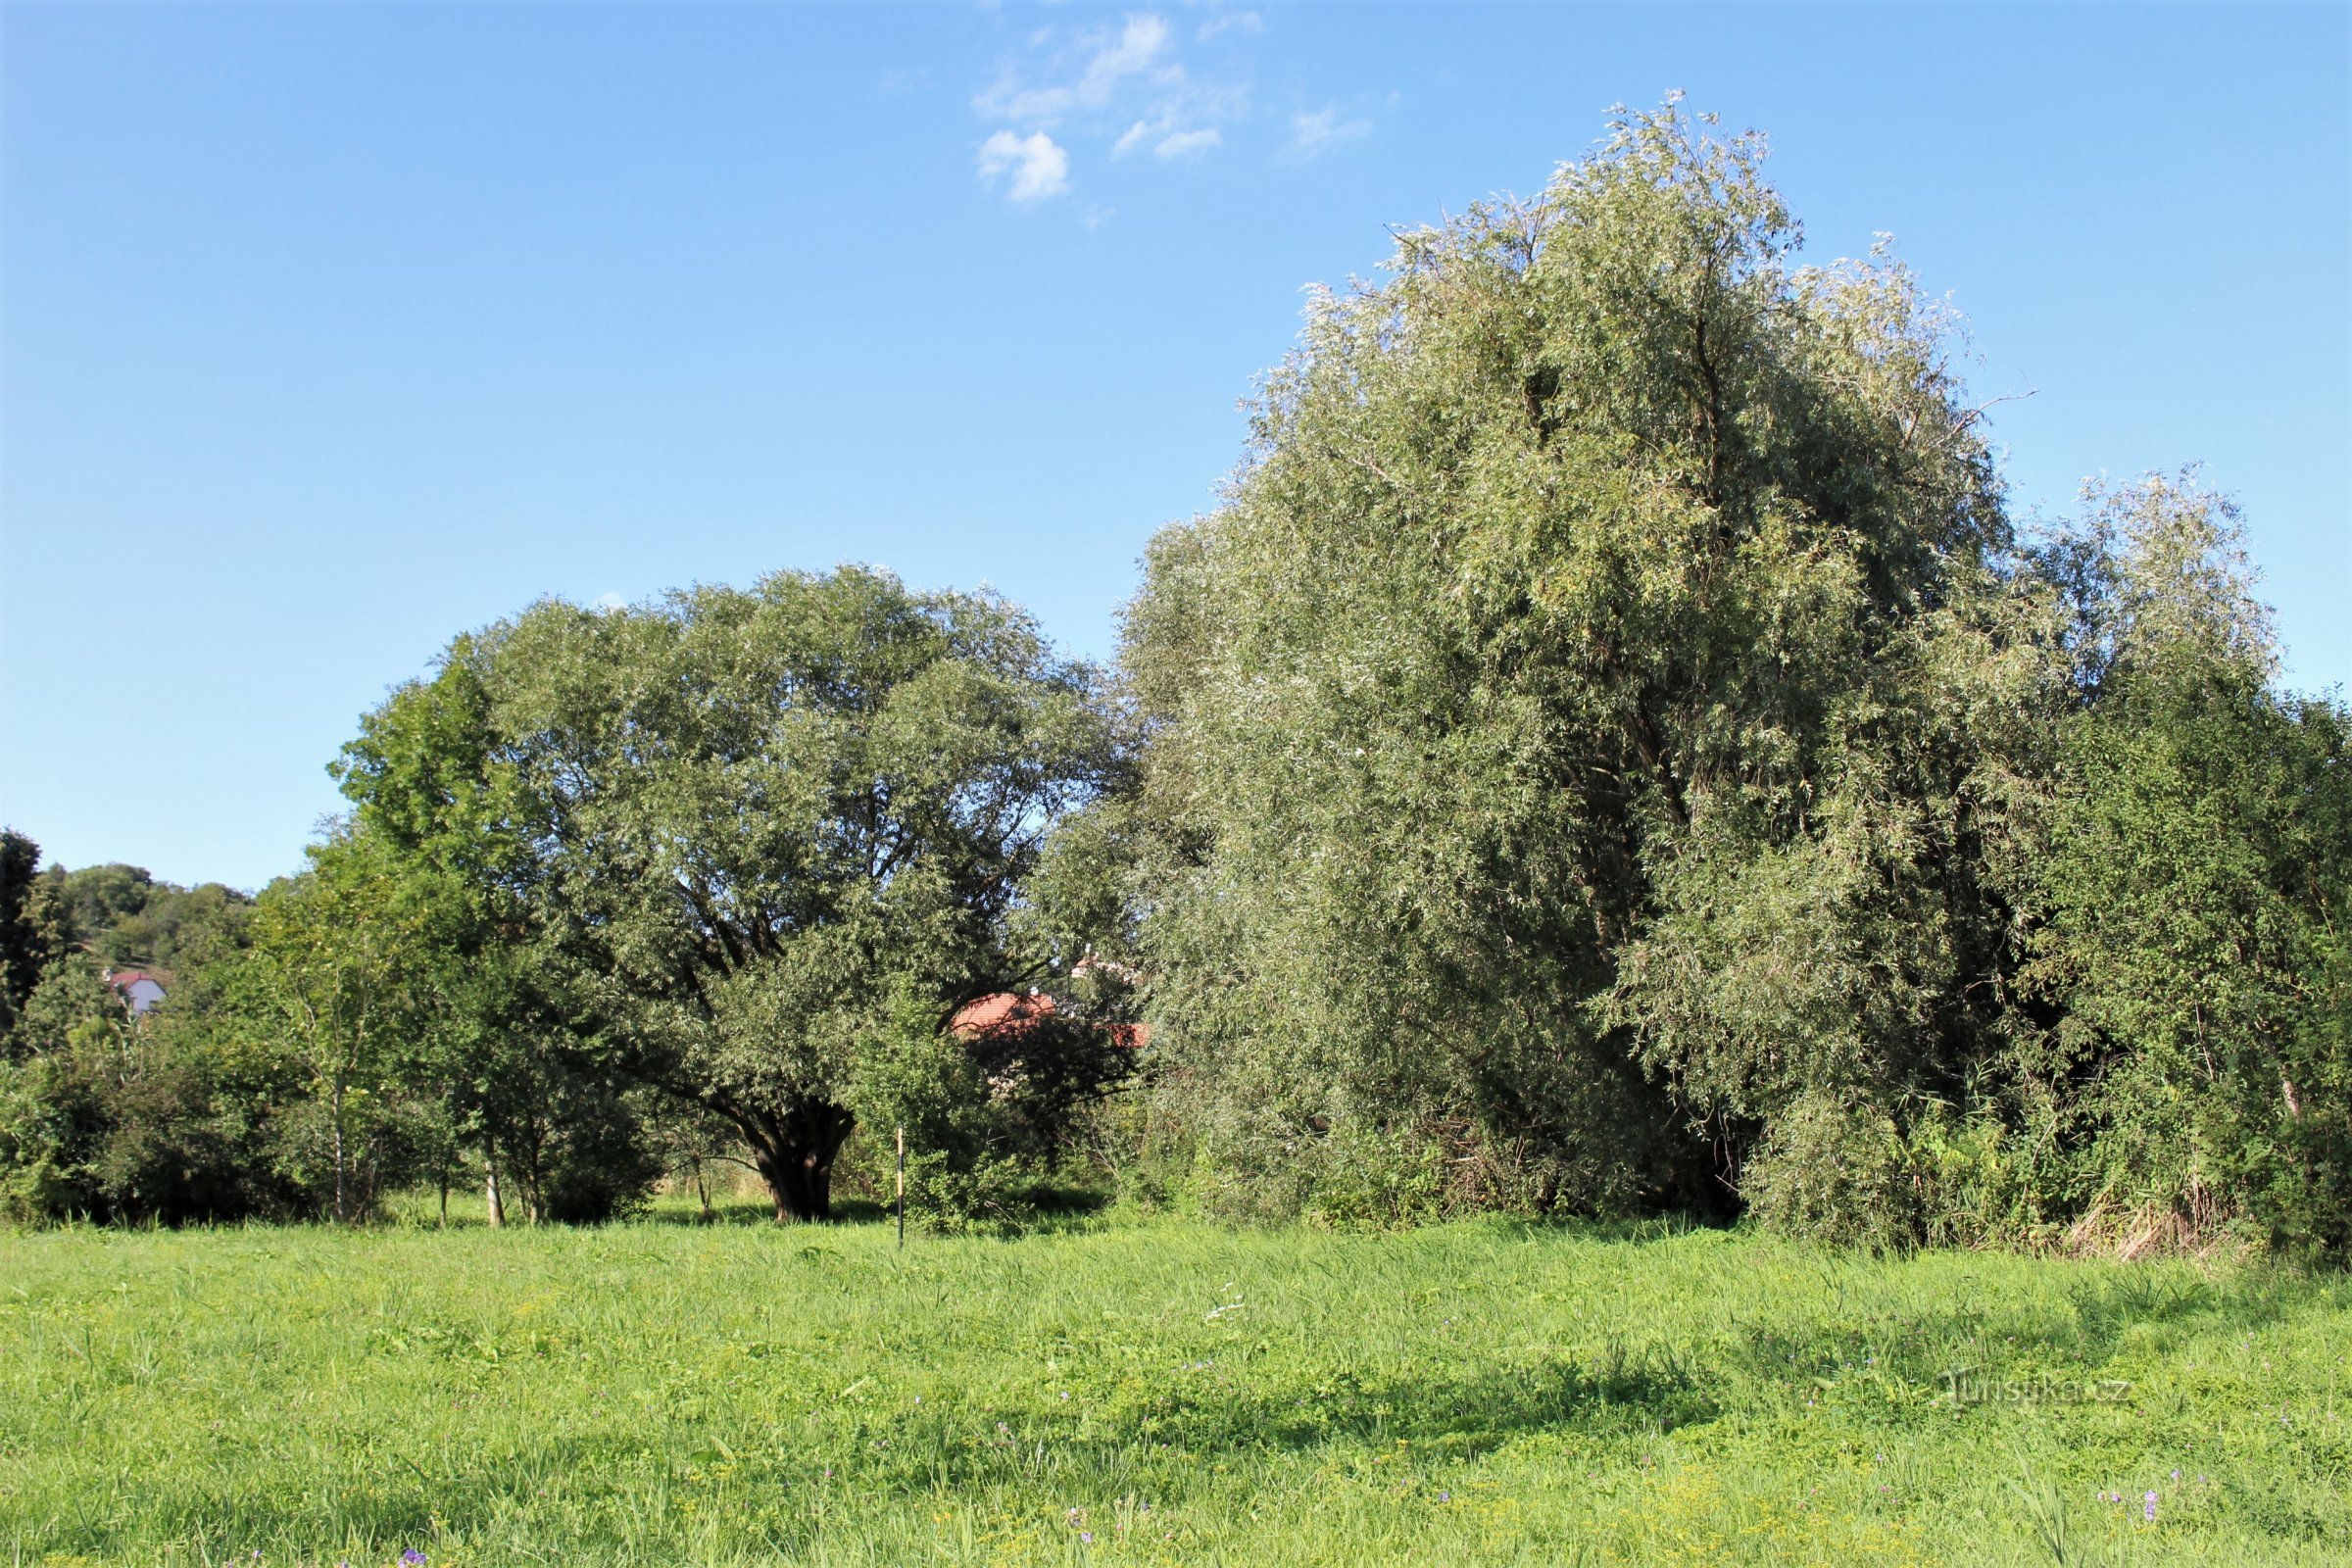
x=2195, y=880
x=334, y=965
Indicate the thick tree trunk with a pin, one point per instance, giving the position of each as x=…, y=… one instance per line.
x=793, y=1155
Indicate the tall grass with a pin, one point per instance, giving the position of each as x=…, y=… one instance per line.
x=1154, y=1392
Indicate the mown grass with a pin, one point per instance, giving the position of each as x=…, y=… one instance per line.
x=1153, y=1392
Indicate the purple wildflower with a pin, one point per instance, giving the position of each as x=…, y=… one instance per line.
x=413, y=1557
x=1087, y=1535
x=2150, y=1511
x=1444, y=1496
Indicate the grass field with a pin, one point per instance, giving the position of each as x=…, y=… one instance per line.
x=1155, y=1391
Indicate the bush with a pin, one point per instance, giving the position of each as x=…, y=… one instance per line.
x=964, y=1170
x=1836, y=1172
x=107, y=1118
x=1367, y=1177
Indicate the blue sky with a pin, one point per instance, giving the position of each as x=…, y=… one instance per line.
x=328, y=331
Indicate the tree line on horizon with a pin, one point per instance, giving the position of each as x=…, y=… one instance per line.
x=1611, y=751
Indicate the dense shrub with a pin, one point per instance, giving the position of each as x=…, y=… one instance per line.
x=2196, y=877
x=1836, y=1172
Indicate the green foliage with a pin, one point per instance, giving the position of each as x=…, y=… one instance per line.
x=985, y=1113
x=1473, y=1394
x=1596, y=686
x=126, y=917
x=2196, y=878
x=741, y=821
x=1838, y=1174
x=1610, y=740
x=108, y=1117
x=502, y=1048
x=337, y=971
x=36, y=927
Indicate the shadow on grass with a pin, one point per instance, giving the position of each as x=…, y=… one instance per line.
x=1053, y=1210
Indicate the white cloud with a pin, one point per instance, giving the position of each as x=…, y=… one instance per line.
x=1230, y=22
x=1314, y=135
x=1079, y=87
x=1135, y=136
x=1184, y=144
x=1039, y=167
x=607, y=600
x=1111, y=59
x=1175, y=124
x=1138, y=45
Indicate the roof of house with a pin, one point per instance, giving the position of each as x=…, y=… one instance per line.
x=1016, y=1012
x=124, y=979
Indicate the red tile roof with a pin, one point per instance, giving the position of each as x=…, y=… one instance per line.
x=1014, y=1013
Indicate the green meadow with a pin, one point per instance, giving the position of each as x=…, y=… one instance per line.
x=1152, y=1390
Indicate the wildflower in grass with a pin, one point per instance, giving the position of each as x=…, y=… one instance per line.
x=2150, y=1511
x=412, y=1558
x=1444, y=1496
x=1087, y=1535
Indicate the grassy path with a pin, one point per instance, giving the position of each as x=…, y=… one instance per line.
x=1163, y=1393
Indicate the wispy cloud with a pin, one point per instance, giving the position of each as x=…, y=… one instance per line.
x=1314, y=134
x=1230, y=22
x=1186, y=143
x=1111, y=59
x=1039, y=167
x=1084, y=85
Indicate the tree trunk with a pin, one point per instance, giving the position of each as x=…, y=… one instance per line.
x=793, y=1155
x=493, y=1206
x=335, y=1111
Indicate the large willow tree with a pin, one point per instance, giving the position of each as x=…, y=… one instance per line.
x=1578, y=741
x=738, y=827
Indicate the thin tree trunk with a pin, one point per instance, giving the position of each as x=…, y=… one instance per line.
x=493, y=1206
x=335, y=1107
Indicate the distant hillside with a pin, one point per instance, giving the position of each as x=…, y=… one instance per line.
x=126, y=917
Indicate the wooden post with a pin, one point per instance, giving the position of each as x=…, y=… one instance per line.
x=902, y=1188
